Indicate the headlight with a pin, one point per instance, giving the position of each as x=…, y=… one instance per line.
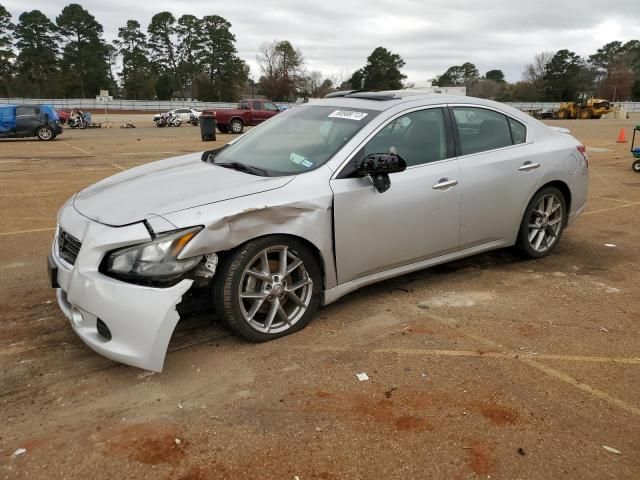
x=156, y=260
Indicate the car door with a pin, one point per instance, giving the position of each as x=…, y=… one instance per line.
x=500, y=170
x=27, y=120
x=269, y=109
x=417, y=217
x=183, y=114
x=258, y=114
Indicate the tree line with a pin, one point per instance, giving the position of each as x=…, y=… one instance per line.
x=196, y=57
x=612, y=73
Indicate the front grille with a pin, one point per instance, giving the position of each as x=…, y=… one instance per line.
x=68, y=247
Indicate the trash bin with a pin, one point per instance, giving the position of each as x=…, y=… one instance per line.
x=208, y=125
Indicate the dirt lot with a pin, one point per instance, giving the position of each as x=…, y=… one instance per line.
x=515, y=369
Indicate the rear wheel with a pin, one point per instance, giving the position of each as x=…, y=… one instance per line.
x=268, y=288
x=236, y=126
x=636, y=166
x=45, y=133
x=543, y=223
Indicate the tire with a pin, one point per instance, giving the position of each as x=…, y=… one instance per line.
x=562, y=114
x=636, y=166
x=259, y=315
x=586, y=114
x=223, y=128
x=45, y=134
x=236, y=126
x=550, y=226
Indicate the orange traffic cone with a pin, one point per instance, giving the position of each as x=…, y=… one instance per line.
x=622, y=137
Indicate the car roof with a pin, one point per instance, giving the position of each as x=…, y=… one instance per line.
x=385, y=100
x=382, y=101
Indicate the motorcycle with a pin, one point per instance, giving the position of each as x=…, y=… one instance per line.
x=80, y=120
x=168, y=120
x=161, y=121
x=193, y=120
x=174, y=121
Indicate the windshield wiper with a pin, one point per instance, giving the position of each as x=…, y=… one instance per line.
x=241, y=167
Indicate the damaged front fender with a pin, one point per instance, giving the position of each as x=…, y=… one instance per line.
x=232, y=223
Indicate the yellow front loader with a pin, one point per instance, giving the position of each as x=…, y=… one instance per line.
x=584, y=109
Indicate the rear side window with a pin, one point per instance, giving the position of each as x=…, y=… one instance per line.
x=481, y=130
x=27, y=111
x=518, y=131
x=257, y=105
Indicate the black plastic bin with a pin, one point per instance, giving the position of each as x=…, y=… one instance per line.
x=208, y=125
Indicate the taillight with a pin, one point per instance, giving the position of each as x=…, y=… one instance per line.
x=583, y=151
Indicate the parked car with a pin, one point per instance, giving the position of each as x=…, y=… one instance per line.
x=183, y=114
x=323, y=199
x=20, y=121
x=250, y=112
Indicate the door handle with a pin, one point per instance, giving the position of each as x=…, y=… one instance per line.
x=526, y=166
x=444, y=183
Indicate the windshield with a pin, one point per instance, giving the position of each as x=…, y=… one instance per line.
x=298, y=140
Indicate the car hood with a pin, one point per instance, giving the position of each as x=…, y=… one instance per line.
x=167, y=186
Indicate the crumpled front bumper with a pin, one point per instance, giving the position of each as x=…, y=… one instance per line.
x=140, y=319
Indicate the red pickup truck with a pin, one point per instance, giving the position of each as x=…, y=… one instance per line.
x=249, y=113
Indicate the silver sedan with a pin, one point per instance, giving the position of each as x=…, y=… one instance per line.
x=313, y=204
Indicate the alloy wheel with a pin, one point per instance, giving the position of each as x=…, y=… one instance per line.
x=545, y=223
x=45, y=134
x=275, y=290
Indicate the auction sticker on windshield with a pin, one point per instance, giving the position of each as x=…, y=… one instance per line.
x=300, y=160
x=348, y=114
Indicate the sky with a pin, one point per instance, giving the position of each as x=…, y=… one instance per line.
x=430, y=35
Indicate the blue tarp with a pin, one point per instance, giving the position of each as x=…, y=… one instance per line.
x=7, y=118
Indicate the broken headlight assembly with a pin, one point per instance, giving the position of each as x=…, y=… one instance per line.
x=154, y=262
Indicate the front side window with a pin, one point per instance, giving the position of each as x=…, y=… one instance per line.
x=297, y=140
x=418, y=137
x=481, y=130
x=270, y=106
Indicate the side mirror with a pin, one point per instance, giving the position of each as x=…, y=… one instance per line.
x=378, y=166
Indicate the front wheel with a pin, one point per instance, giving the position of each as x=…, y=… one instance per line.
x=543, y=223
x=236, y=126
x=586, y=114
x=223, y=128
x=636, y=166
x=268, y=288
x=45, y=133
